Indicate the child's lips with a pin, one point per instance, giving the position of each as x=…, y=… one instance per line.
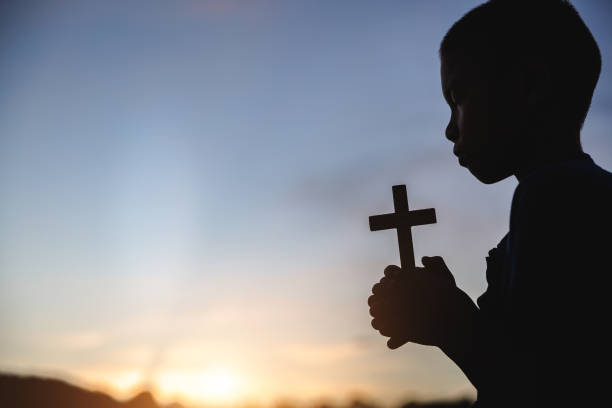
x=457, y=150
x=460, y=157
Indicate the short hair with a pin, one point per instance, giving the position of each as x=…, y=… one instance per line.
x=501, y=31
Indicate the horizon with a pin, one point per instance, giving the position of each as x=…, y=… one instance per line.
x=137, y=393
x=186, y=190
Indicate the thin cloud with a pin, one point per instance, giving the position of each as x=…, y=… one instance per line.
x=321, y=354
x=80, y=340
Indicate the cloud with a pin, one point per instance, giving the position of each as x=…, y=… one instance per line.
x=321, y=354
x=79, y=340
x=349, y=187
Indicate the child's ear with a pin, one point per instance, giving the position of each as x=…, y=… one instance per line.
x=538, y=86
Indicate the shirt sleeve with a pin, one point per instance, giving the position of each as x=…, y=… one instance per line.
x=490, y=302
x=535, y=271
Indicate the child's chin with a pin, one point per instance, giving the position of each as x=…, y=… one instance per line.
x=487, y=176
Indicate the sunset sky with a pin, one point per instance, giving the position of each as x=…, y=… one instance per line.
x=185, y=189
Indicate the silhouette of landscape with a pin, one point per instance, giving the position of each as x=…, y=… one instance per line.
x=36, y=392
x=31, y=392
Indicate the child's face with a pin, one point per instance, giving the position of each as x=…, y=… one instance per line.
x=485, y=123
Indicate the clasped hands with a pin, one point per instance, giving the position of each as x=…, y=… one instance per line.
x=420, y=306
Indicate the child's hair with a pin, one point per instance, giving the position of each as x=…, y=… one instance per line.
x=500, y=32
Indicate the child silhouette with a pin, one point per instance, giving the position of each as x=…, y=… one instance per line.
x=518, y=77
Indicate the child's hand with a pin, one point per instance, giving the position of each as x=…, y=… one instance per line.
x=418, y=306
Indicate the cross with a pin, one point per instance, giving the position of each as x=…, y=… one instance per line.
x=403, y=220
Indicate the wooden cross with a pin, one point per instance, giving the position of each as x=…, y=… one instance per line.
x=403, y=220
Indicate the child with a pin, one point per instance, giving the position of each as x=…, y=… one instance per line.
x=519, y=76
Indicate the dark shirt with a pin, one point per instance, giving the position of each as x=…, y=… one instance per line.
x=546, y=308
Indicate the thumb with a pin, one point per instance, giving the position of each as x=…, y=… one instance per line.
x=395, y=342
x=436, y=266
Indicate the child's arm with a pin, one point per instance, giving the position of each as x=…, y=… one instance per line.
x=426, y=307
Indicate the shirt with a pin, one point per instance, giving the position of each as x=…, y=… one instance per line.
x=546, y=303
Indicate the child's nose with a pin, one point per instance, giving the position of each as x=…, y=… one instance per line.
x=451, y=131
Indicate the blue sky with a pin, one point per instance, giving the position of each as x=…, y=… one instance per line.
x=185, y=189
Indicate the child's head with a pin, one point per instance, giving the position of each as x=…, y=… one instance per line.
x=518, y=75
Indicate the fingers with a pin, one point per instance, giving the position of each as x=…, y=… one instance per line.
x=436, y=266
x=393, y=271
x=383, y=284
x=433, y=261
x=382, y=327
x=378, y=307
x=379, y=287
x=375, y=309
x=382, y=293
x=395, y=342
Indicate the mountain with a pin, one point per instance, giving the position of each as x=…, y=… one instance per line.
x=35, y=392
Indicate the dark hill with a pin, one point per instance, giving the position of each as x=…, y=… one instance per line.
x=35, y=392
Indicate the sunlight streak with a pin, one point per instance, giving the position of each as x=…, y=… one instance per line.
x=218, y=385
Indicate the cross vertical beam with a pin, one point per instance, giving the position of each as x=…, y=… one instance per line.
x=404, y=233
x=403, y=220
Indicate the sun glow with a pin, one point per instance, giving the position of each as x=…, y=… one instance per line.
x=217, y=385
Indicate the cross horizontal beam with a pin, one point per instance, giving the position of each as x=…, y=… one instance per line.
x=403, y=220
x=409, y=219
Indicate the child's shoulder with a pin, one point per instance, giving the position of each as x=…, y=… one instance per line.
x=572, y=179
x=564, y=209
x=577, y=189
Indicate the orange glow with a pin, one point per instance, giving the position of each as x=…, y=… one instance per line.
x=217, y=385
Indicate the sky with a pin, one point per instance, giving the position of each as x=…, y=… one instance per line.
x=185, y=189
